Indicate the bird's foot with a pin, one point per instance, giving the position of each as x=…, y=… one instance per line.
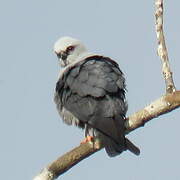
x=87, y=139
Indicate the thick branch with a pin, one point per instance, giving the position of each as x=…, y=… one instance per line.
x=160, y=106
x=68, y=160
x=162, y=50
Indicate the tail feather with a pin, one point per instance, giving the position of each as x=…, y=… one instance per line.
x=131, y=147
x=114, y=149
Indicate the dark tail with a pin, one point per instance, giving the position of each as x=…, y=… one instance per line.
x=131, y=147
x=114, y=149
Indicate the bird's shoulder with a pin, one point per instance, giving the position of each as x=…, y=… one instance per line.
x=94, y=76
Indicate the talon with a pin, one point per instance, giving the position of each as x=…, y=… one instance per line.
x=87, y=139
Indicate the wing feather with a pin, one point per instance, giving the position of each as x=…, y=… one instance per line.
x=93, y=90
x=90, y=86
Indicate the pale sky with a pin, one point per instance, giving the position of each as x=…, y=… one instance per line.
x=32, y=133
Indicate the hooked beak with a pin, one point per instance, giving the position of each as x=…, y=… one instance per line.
x=62, y=56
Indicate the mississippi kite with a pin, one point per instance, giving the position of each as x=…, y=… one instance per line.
x=90, y=94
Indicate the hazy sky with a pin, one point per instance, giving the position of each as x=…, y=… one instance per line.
x=31, y=132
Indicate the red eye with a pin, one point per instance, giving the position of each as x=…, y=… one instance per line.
x=70, y=48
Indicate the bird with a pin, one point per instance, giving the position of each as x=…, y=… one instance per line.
x=90, y=94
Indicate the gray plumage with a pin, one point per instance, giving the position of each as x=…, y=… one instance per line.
x=90, y=94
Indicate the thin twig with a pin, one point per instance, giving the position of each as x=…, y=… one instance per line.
x=161, y=106
x=162, y=50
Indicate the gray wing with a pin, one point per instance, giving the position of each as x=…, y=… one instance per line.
x=94, y=92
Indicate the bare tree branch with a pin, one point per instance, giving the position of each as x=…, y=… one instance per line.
x=162, y=50
x=163, y=105
x=68, y=160
x=160, y=106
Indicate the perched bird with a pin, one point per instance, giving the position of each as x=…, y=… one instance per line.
x=90, y=94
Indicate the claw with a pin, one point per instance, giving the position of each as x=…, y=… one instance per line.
x=87, y=139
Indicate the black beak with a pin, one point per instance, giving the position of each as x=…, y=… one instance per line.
x=62, y=55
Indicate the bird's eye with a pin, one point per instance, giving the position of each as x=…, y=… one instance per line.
x=70, y=48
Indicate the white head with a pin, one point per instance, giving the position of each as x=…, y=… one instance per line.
x=68, y=49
